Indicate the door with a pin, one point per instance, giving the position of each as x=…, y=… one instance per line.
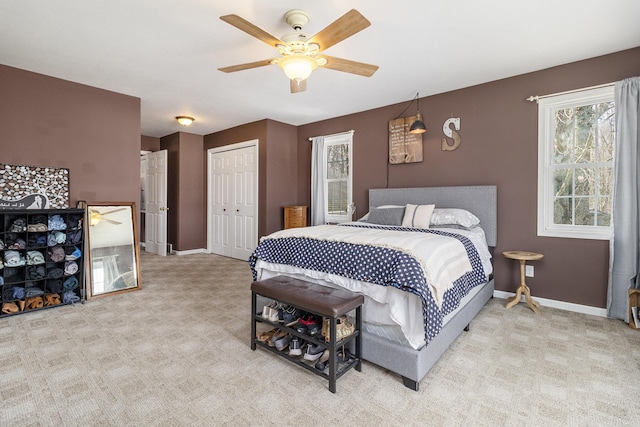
x=233, y=200
x=155, y=228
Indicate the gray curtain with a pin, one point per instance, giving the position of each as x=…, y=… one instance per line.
x=624, y=246
x=317, y=181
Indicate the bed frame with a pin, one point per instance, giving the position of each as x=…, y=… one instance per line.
x=412, y=364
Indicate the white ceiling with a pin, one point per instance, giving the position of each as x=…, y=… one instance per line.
x=167, y=52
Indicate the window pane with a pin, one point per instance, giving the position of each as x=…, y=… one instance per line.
x=584, y=211
x=564, y=136
x=562, y=211
x=563, y=182
x=585, y=181
x=337, y=161
x=604, y=212
x=337, y=198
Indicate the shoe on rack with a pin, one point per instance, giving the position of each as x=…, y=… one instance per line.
x=283, y=342
x=308, y=324
x=291, y=315
x=314, y=352
x=322, y=362
x=295, y=347
x=276, y=336
x=266, y=336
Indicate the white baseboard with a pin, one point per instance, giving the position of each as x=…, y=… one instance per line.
x=562, y=305
x=191, y=251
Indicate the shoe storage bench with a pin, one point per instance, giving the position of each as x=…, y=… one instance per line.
x=321, y=301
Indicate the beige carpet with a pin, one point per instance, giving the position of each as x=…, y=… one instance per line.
x=176, y=353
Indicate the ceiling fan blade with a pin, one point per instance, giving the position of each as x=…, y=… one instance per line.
x=343, y=27
x=246, y=26
x=111, y=221
x=113, y=211
x=300, y=86
x=246, y=66
x=349, y=66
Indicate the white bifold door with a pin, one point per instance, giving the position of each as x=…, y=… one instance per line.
x=232, y=222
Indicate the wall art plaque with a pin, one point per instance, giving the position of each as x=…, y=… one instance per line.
x=404, y=147
x=33, y=187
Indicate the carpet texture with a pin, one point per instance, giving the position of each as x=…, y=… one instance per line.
x=176, y=353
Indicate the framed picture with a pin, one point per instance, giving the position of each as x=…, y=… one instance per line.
x=113, y=253
x=33, y=187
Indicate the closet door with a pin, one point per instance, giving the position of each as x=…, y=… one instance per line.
x=221, y=172
x=232, y=218
x=245, y=234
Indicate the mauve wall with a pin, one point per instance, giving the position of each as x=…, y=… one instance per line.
x=277, y=166
x=191, y=206
x=499, y=146
x=95, y=133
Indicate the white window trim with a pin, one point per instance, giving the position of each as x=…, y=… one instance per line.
x=344, y=138
x=546, y=107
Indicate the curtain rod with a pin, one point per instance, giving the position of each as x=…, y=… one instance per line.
x=537, y=97
x=334, y=134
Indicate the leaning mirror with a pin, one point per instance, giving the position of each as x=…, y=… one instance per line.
x=114, y=258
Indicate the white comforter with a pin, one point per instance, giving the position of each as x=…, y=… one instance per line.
x=442, y=259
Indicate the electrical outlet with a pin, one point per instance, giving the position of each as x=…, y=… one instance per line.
x=528, y=270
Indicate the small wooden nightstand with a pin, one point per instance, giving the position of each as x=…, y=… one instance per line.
x=295, y=216
x=523, y=257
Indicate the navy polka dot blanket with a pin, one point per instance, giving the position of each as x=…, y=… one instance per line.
x=440, y=267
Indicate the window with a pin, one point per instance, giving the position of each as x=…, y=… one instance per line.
x=337, y=184
x=576, y=140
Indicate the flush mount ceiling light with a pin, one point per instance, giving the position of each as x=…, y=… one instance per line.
x=185, y=120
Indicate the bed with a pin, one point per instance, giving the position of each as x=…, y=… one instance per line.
x=410, y=319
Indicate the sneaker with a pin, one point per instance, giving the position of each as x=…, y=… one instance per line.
x=283, y=342
x=322, y=363
x=314, y=352
x=290, y=315
x=295, y=347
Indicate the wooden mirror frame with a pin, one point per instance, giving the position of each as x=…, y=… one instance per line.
x=115, y=246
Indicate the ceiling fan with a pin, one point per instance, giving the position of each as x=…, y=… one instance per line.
x=301, y=53
x=96, y=216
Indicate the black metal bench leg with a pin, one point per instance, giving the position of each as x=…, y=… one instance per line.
x=333, y=357
x=359, y=338
x=253, y=320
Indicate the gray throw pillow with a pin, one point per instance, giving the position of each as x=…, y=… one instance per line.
x=386, y=216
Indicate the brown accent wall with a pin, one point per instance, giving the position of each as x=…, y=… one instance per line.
x=277, y=166
x=95, y=133
x=499, y=146
x=149, y=143
x=185, y=184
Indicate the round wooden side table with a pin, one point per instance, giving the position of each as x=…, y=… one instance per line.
x=523, y=257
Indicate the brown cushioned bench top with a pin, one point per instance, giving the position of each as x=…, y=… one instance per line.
x=310, y=296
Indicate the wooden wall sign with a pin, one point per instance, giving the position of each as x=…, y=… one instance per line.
x=404, y=147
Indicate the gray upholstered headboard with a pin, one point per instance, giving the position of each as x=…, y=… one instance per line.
x=481, y=200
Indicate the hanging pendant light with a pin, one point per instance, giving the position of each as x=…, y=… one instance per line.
x=418, y=126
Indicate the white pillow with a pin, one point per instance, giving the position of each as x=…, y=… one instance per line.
x=417, y=216
x=453, y=216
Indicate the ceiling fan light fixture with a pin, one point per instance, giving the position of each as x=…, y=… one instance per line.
x=297, y=67
x=185, y=120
